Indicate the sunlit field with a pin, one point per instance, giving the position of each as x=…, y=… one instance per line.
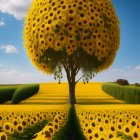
x=43, y=115
x=24, y=121
x=54, y=93
x=104, y=122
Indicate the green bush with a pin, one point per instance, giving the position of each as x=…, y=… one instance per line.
x=129, y=94
x=24, y=92
x=6, y=93
x=122, y=82
x=137, y=84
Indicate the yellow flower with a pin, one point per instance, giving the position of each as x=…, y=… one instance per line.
x=19, y=128
x=89, y=130
x=56, y=127
x=93, y=123
x=127, y=130
x=102, y=137
x=101, y=128
x=135, y=134
x=59, y=118
x=99, y=120
x=50, y=129
x=15, y=122
x=8, y=127
x=111, y=134
x=32, y=122
x=3, y=136
x=89, y=136
x=106, y=121
x=112, y=128
x=96, y=134
x=24, y=122
x=86, y=124
x=77, y=18
x=47, y=134
x=133, y=122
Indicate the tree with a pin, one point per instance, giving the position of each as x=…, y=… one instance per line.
x=74, y=35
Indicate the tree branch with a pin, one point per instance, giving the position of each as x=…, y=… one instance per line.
x=79, y=79
x=76, y=72
x=67, y=70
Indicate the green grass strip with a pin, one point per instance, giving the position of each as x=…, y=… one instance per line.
x=72, y=129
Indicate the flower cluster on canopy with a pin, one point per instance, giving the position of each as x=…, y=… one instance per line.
x=70, y=25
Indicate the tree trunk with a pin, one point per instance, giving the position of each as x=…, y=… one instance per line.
x=71, y=75
x=72, y=99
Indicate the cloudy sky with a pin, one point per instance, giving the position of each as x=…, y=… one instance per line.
x=15, y=66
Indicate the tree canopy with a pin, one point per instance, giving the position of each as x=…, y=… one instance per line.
x=77, y=34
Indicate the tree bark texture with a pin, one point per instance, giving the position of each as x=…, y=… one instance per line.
x=72, y=99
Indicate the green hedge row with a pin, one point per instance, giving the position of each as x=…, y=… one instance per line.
x=24, y=92
x=6, y=93
x=129, y=94
x=72, y=129
x=17, y=93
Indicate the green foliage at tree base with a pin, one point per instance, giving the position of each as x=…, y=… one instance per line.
x=72, y=129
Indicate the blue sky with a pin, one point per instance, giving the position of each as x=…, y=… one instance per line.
x=15, y=66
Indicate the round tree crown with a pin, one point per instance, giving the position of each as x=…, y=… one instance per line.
x=87, y=30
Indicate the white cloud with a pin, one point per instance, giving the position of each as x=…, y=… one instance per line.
x=0, y=65
x=17, y=8
x=137, y=67
x=130, y=73
x=9, y=49
x=20, y=77
x=128, y=67
x=110, y=75
x=2, y=23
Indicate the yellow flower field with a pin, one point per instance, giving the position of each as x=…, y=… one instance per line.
x=54, y=93
x=101, y=116
x=16, y=118
x=113, y=122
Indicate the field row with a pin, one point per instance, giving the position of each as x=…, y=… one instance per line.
x=97, y=122
x=31, y=122
x=115, y=122
x=53, y=93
